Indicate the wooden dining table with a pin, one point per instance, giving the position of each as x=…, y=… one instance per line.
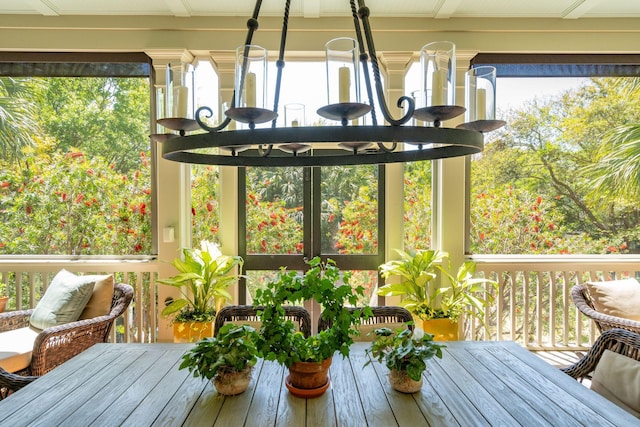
x=474, y=384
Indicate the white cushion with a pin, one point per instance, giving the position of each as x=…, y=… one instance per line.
x=63, y=301
x=620, y=298
x=617, y=377
x=16, y=347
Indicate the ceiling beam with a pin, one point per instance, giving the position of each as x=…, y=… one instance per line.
x=579, y=8
x=446, y=8
x=43, y=7
x=178, y=8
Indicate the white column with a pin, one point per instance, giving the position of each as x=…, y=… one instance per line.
x=173, y=199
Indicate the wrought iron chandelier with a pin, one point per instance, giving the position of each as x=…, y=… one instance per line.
x=350, y=142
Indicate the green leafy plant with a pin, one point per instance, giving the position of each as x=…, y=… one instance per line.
x=278, y=339
x=232, y=350
x=205, y=275
x=417, y=269
x=467, y=294
x=404, y=350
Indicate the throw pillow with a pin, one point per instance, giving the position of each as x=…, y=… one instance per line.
x=100, y=302
x=620, y=298
x=617, y=377
x=63, y=301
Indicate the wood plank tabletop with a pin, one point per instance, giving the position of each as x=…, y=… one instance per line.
x=475, y=383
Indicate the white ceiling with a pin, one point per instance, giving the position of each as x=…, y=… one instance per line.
x=561, y=9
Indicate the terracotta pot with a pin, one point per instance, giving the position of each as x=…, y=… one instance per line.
x=191, y=331
x=442, y=329
x=3, y=303
x=401, y=382
x=233, y=382
x=309, y=375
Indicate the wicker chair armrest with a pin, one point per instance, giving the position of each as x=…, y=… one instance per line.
x=381, y=314
x=617, y=340
x=11, y=320
x=57, y=344
x=12, y=382
x=603, y=321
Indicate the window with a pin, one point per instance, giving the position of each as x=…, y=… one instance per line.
x=288, y=215
x=75, y=154
x=559, y=178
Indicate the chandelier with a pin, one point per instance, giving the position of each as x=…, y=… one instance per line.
x=354, y=137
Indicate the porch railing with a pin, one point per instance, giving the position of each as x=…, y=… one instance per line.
x=532, y=305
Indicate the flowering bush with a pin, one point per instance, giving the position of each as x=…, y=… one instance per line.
x=405, y=350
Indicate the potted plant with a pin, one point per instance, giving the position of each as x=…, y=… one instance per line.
x=205, y=275
x=4, y=297
x=437, y=308
x=226, y=359
x=405, y=354
x=308, y=358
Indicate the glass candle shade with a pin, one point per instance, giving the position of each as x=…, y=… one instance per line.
x=343, y=76
x=294, y=115
x=420, y=102
x=178, y=96
x=438, y=64
x=480, y=94
x=251, y=77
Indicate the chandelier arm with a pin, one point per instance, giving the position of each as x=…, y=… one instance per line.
x=363, y=12
x=280, y=62
x=252, y=25
x=363, y=60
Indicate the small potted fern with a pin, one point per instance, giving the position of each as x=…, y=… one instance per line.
x=226, y=359
x=405, y=353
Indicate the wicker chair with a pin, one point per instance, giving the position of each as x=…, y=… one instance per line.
x=604, y=322
x=382, y=316
x=55, y=345
x=617, y=340
x=247, y=313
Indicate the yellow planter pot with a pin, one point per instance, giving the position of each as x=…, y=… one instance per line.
x=3, y=303
x=442, y=329
x=184, y=332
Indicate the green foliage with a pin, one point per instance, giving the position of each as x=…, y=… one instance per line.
x=232, y=350
x=203, y=281
x=575, y=152
x=404, y=350
x=358, y=231
x=465, y=294
x=417, y=205
x=74, y=204
x=278, y=339
x=205, y=203
x=417, y=269
x=106, y=117
x=272, y=227
x=17, y=117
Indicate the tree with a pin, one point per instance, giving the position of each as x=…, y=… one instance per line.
x=617, y=170
x=548, y=149
x=18, y=127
